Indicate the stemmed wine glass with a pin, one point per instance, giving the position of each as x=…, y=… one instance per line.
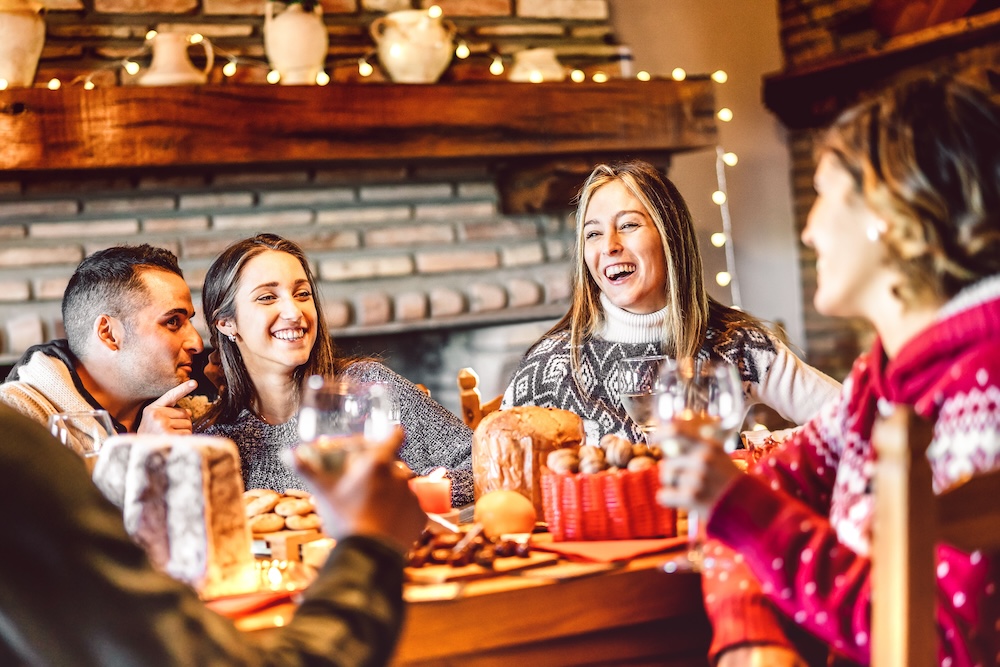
x=638, y=380
x=84, y=432
x=333, y=413
x=698, y=402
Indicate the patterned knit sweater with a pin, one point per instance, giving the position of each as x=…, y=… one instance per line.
x=798, y=525
x=434, y=437
x=771, y=373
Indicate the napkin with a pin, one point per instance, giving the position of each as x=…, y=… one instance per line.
x=609, y=551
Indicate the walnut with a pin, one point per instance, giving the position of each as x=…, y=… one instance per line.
x=641, y=463
x=617, y=449
x=592, y=464
x=561, y=461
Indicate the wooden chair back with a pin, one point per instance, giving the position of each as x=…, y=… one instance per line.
x=473, y=408
x=909, y=520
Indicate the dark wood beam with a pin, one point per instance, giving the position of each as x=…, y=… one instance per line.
x=129, y=127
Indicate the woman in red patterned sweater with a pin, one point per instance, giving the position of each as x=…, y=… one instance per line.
x=906, y=229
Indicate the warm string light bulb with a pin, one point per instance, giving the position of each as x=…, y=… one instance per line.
x=364, y=67
x=150, y=34
x=719, y=76
x=131, y=67
x=462, y=51
x=578, y=76
x=88, y=85
x=274, y=76
x=434, y=12
x=718, y=239
x=725, y=114
x=678, y=74
x=54, y=84
x=730, y=159
x=719, y=197
x=196, y=38
x=229, y=69
x=322, y=78
x=3, y=84
x=535, y=76
x=496, y=67
x=723, y=278
x=600, y=77
x=643, y=75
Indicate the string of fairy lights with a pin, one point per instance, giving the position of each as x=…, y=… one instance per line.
x=720, y=239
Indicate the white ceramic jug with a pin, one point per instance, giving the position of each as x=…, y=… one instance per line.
x=171, y=65
x=536, y=65
x=22, y=35
x=413, y=47
x=295, y=42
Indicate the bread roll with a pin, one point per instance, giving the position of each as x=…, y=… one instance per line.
x=509, y=448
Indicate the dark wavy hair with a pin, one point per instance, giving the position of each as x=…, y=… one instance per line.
x=109, y=282
x=925, y=156
x=219, y=303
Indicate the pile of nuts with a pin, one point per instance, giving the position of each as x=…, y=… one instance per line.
x=459, y=550
x=614, y=453
x=269, y=511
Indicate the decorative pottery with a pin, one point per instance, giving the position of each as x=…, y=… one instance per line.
x=413, y=46
x=536, y=65
x=171, y=65
x=22, y=35
x=295, y=42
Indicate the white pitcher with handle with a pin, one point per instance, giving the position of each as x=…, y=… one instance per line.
x=413, y=46
x=171, y=65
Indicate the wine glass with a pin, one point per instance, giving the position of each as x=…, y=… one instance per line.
x=333, y=413
x=638, y=379
x=84, y=432
x=697, y=401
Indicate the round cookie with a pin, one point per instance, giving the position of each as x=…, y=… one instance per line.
x=262, y=504
x=292, y=506
x=266, y=523
x=303, y=522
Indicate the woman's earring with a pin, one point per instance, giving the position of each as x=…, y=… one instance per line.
x=876, y=230
x=231, y=337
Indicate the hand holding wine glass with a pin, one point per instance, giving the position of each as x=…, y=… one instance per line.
x=699, y=406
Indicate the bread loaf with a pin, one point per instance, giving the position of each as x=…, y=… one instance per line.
x=509, y=448
x=182, y=500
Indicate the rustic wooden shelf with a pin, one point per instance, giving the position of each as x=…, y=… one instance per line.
x=130, y=127
x=810, y=97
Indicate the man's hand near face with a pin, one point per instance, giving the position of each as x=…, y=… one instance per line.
x=163, y=415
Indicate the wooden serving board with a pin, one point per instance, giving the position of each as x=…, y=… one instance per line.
x=284, y=544
x=437, y=574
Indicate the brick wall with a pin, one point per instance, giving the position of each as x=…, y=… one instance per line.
x=92, y=37
x=817, y=34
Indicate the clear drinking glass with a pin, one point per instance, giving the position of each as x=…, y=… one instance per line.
x=83, y=432
x=697, y=401
x=638, y=379
x=332, y=418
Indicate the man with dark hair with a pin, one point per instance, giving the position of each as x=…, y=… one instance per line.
x=75, y=590
x=129, y=346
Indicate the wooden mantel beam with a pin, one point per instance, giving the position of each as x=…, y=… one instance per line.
x=135, y=127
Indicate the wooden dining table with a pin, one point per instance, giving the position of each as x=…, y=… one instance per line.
x=564, y=614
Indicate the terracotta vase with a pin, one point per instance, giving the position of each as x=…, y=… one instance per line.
x=171, y=65
x=22, y=35
x=295, y=42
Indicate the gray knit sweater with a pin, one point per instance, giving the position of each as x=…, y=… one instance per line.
x=434, y=437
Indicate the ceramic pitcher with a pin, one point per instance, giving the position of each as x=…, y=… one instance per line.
x=295, y=42
x=413, y=47
x=171, y=65
x=22, y=35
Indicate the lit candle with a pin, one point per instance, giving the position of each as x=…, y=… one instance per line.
x=433, y=491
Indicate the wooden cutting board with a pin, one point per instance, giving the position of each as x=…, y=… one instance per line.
x=285, y=544
x=437, y=574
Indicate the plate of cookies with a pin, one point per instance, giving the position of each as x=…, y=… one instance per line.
x=281, y=522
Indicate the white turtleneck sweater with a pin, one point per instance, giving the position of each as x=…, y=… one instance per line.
x=771, y=373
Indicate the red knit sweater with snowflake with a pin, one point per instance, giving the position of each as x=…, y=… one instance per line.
x=793, y=536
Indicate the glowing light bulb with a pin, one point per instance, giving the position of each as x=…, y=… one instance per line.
x=131, y=67
x=678, y=74
x=274, y=76
x=600, y=77
x=434, y=12
x=150, y=34
x=725, y=114
x=196, y=38
x=535, y=76
x=643, y=75
x=3, y=84
x=719, y=197
x=365, y=68
x=718, y=239
x=322, y=78
x=719, y=76
x=229, y=68
x=730, y=159
x=462, y=51
x=578, y=76
x=723, y=278
x=54, y=84
x=88, y=85
x=496, y=67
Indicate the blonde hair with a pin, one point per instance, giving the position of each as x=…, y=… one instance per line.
x=687, y=316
